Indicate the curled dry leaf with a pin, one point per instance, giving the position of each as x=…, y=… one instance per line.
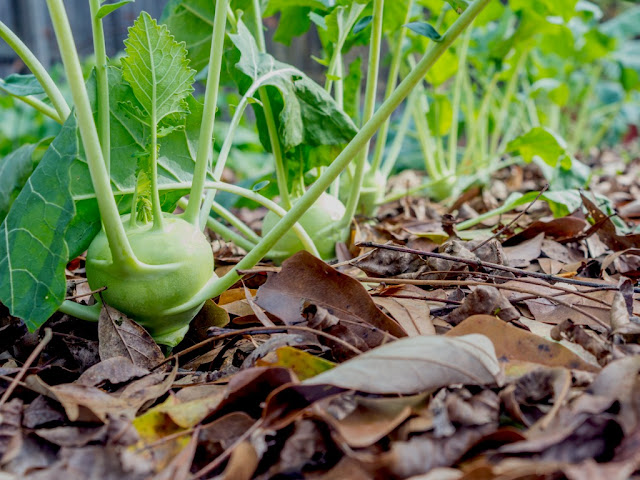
x=484, y=299
x=417, y=364
x=118, y=335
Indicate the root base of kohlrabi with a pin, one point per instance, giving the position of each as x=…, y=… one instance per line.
x=321, y=222
x=181, y=264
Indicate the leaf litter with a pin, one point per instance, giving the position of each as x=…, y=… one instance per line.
x=431, y=355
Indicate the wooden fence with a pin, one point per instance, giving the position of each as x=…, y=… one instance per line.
x=30, y=20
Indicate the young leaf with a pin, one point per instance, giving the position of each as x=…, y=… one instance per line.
x=540, y=142
x=21, y=85
x=105, y=10
x=307, y=113
x=157, y=69
x=424, y=29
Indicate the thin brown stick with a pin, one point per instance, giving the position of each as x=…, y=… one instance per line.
x=73, y=297
x=256, y=331
x=48, y=334
x=495, y=266
x=503, y=229
x=443, y=283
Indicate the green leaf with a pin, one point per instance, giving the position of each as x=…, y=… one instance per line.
x=55, y=217
x=306, y=112
x=157, y=69
x=361, y=24
x=105, y=10
x=21, y=85
x=352, y=84
x=15, y=170
x=459, y=5
x=33, y=250
x=424, y=29
x=539, y=142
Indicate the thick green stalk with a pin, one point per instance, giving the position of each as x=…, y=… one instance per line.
x=336, y=57
x=228, y=234
x=583, y=114
x=30, y=60
x=205, y=140
x=368, y=130
x=234, y=221
x=41, y=107
x=369, y=108
x=118, y=243
x=158, y=221
x=274, y=138
x=604, y=126
x=102, y=82
x=457, y=94
x=228, y=141
x=506, y=101
x=398, y=140
x=392, y=81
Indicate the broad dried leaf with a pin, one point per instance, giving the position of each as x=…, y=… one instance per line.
x=417, y=364
x=514, y=344
x=113, y=370
x=118, y=335
x=304, y=277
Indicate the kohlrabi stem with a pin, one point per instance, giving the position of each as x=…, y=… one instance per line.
x=102, y=82
x=217, y=285
x=33, y=64
x=398, y=140
x=224, y=231
x=274, y=138
x=205, y=140
x=229, y=235
x=336, y=57
x=89, y=313
x=584, y=111
x=234, y=221
x=392, y=81
x=228, y=141
x=41, y=107
x=455, y=107
x=158, y=221
x=367, y=114
x=506, y=101
x=604, y=127
x=118, y=243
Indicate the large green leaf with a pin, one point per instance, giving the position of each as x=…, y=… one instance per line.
x=157, y=69
x=539, y=142
x=55, y=217
x=33, y=250
x=306, y=112
x=21, y=85
x=15, y=170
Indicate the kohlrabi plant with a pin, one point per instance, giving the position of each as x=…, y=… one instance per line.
x=135, y=141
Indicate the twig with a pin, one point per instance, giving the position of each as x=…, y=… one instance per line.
x=495, y=266
x=503, y=229
x=73, y=297
x=445, y=283
x=48, y=334
x=256, y=331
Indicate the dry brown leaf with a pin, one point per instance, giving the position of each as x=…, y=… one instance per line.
x=118, y=335
x=412, y=314
x=513, y=344
x=417, y=364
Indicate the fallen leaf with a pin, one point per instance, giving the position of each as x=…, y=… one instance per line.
x=303, y=364
x=411, y=314
x=417, y=364
x=304, y=277
x=121, y=336
x=113, y=370
x=514, y=344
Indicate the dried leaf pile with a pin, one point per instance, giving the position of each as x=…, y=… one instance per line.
x=419, y=355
